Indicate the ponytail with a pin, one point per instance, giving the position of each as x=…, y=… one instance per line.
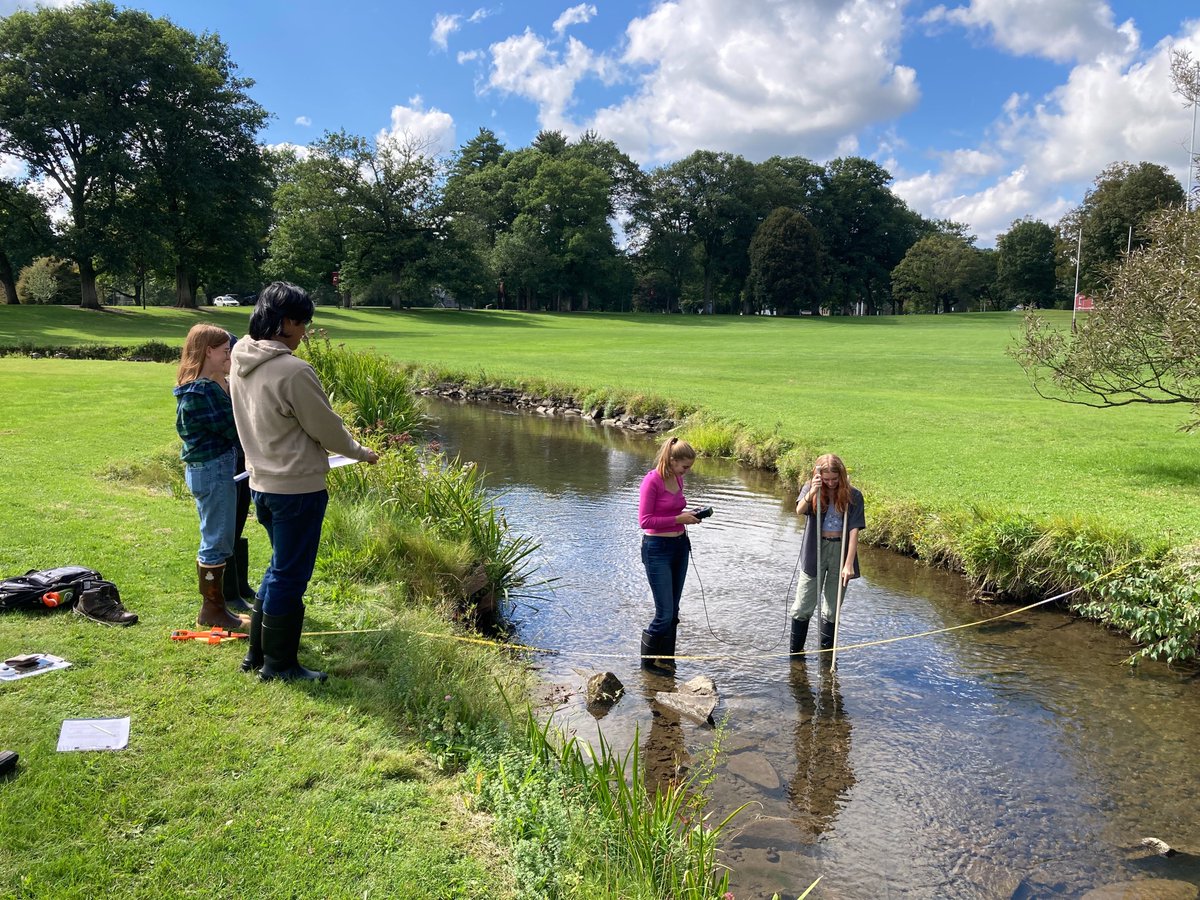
x=672, y=449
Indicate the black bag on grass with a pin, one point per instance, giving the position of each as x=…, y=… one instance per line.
x=48, y=587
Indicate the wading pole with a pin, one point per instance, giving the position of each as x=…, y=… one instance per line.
x=820, y=588
x=841, y=591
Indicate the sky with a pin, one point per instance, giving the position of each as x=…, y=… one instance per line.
x=983, y=111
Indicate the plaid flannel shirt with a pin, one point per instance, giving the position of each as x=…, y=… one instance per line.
x=204, y=420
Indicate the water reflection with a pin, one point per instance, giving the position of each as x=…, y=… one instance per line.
x=665, y=759
x=822, y=739
x=1021, y=759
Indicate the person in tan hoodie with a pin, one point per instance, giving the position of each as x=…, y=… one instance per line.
x=288, y=429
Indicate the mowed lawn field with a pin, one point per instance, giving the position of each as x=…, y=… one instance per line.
x=928, y=409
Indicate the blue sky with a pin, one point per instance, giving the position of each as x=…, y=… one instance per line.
x=984, y=111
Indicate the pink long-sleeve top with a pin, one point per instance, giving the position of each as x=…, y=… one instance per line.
x=658, y=507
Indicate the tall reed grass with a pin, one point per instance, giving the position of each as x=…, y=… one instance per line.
x=582, y=824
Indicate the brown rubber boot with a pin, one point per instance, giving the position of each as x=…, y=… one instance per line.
x=212, y=607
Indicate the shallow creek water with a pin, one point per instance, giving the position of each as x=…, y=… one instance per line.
x=1018, y=759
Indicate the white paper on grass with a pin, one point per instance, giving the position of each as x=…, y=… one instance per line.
x=335, y=462
x=47, y=663
x=94, y=734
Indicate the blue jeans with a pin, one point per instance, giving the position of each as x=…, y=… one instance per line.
x=666, y=562
x=211, y=483
x=293, y=523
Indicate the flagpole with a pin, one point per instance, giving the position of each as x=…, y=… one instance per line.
x=1078, y=255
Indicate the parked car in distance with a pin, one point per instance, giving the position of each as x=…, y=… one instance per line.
x=225, y=300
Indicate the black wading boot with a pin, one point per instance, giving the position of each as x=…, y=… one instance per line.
x=280, y=646
x=799, y=636
x=655, y=645
x=241, y=556
x=229, y=587
x=254, y=652
x=827, y=641
x=668, y=649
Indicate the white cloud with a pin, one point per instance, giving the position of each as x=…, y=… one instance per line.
x=300, y=150
x=8, y=7
x=444, y=26
x=1061, y=30
x=1054, y=146
x=466, y=56
x=431, y=127
x=760, y=77
x=576, y=15
x=527, y=66
x=479, y=15
x=304, y=120
x=971, y=162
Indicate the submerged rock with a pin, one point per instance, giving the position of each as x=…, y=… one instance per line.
x=1145, y=889
x=755, y=768
x=604, y=689
x=696, y=699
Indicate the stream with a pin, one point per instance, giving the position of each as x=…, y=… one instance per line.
x=1016, y=759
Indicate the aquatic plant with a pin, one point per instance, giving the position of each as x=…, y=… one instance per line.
x=580, y=821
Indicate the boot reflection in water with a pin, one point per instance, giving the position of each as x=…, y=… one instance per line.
x=664, y=758
x=823, y=775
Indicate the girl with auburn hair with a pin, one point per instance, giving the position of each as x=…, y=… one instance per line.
x=204, y=421
x=663, y=515
x=829, y=546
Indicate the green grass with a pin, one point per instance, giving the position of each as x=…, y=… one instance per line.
x=229, y=787
x=924, y=409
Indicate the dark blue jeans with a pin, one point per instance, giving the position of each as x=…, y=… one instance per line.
x=666, y=562
x=293, y=523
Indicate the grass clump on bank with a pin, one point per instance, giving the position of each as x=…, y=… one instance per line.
x=581, y=824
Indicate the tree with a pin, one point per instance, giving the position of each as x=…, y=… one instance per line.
x=1113, y=216
x=939, y=272
x=865, y=229
x=202, y=181
x=1185, y=81
x=24, y=233
x=786, y=264
x=1142, y=342
x=68, y=82
x=364, y=208
x=713, y=196
x=1025, y=263
x=47, y=280
x=140, y=128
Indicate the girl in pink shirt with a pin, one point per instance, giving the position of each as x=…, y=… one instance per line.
x=662, y=515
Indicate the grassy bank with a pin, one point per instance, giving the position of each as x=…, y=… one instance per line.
x=232, y=787
x=963, y=464
x=925, y=409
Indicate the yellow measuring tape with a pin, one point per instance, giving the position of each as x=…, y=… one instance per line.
x=859, y=646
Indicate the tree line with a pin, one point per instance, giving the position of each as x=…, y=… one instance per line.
x=146, y=180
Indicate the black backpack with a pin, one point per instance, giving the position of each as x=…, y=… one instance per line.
x=29, y=591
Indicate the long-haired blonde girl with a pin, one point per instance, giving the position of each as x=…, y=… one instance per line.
x=829, y=552
x=663, y=516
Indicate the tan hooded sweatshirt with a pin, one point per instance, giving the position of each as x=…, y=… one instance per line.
x=284, y=419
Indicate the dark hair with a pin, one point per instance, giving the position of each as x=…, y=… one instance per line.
x=279, y=300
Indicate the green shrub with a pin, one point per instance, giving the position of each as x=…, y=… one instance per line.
x=376, y=391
